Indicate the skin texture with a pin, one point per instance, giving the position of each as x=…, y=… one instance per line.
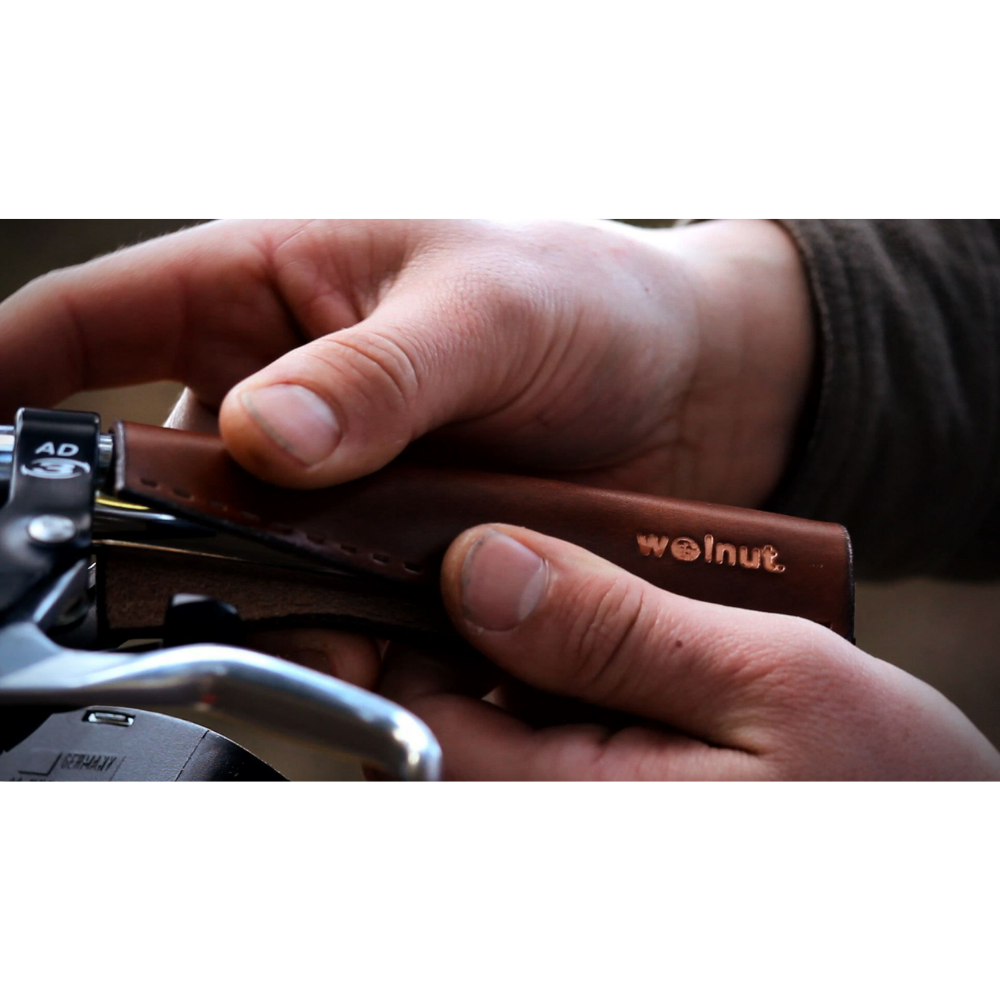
x=683, y=690
x=651, y=363
x=673, y=363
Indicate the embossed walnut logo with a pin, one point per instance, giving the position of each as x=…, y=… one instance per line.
x=685, y=549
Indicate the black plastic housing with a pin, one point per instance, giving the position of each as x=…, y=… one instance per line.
x=106, y=743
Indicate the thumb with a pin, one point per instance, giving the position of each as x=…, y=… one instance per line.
x=565, y=621
x=346, y=404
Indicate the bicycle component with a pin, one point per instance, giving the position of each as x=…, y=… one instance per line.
x=193, y=619
x=393, y=527
x=54, y=468
x=298, y=702
x=179, y=492
x=108, y=743
x=45, y=525
x=105, y=540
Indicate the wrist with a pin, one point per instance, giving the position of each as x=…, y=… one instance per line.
x=757, y=351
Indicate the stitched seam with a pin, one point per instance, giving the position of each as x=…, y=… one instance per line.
x=216, y=507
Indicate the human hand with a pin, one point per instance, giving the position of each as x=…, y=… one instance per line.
x=672, y=362
x=603, y=676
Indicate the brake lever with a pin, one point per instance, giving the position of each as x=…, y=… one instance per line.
x=293, y=700
x=54, y=463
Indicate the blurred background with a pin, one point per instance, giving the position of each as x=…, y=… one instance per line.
x=947, y=634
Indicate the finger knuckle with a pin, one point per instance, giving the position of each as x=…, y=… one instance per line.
x=602, y=636
x=773, y=654
x=497, y=282
x=785, y=677
x=379, y=361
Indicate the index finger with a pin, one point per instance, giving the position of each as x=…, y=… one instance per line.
x=200, y=306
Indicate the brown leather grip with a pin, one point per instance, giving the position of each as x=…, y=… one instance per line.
x=396, y=524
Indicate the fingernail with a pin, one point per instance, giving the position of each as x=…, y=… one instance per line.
x=296, y=419
x=502, y=582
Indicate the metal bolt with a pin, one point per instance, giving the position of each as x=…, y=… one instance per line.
x=51, y=529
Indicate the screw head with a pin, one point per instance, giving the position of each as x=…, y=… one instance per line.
x=51, y=529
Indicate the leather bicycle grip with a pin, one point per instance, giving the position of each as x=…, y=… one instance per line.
x=390, y=530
